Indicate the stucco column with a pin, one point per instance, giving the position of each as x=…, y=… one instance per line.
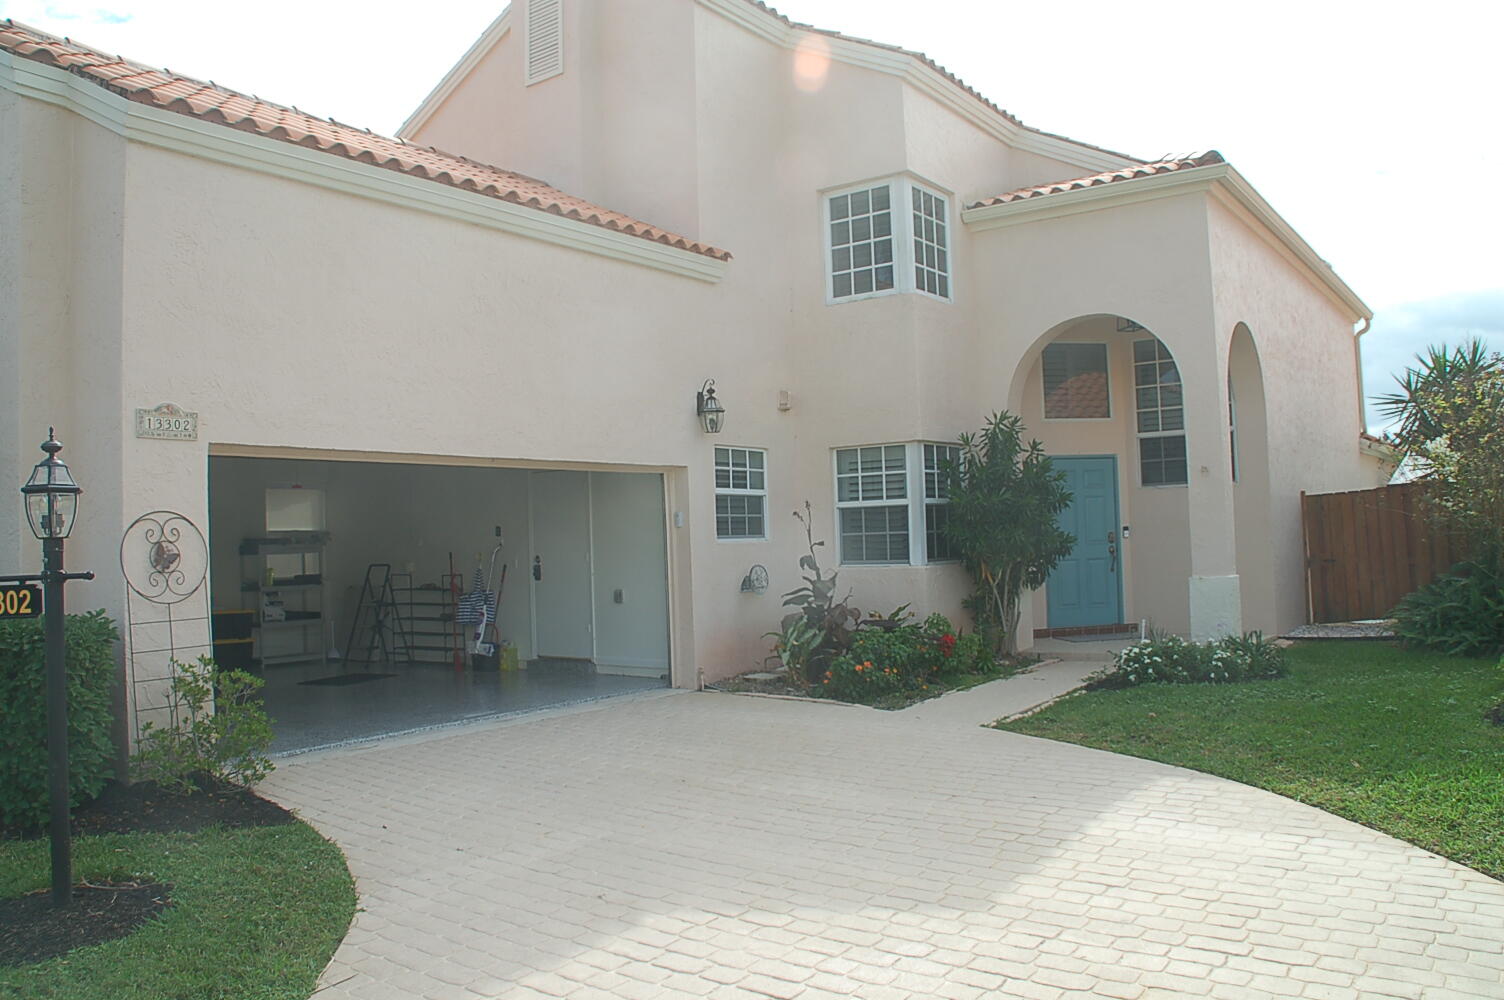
x=1215, y=595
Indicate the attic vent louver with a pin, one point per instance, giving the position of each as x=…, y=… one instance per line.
x=544, y=38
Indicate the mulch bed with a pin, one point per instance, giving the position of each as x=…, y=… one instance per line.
x=33, y=930
x=145, y=807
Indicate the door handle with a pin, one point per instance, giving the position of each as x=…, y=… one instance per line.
x=537, y=567
x=1112, y=551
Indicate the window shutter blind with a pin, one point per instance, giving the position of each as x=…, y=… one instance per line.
x=544, y=39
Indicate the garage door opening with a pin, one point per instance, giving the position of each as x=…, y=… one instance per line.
x=381, y=598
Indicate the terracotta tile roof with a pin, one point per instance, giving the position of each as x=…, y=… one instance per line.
x=1109, y=177
x=221, y=106
x=932, y=64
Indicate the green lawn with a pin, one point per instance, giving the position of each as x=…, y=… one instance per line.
x=1393, y=739
x=256, y=914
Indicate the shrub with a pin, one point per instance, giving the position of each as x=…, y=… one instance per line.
x=827, y=624
x=1005, y=502
x=1173, y=660
x=222, y=732
x=1460, y=613
x=903, y=657
x=23, y=714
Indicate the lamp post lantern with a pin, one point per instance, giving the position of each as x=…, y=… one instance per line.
x=51, y=502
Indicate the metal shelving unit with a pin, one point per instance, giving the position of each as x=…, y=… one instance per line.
x=427, y=612
x=285, y=578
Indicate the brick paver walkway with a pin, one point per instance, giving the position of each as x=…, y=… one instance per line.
x=703, y=845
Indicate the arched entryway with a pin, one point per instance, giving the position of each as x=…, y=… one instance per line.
x=1106, y=398
x=1248, y=441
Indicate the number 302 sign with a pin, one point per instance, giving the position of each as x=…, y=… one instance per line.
x=20, y=601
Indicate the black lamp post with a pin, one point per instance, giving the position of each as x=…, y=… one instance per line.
x=51, y=501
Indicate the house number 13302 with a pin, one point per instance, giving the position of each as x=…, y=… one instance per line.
x=167, y=423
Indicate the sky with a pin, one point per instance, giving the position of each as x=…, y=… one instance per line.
x=1371, y=126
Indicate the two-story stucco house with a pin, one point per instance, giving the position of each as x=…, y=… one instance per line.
x=495, y=326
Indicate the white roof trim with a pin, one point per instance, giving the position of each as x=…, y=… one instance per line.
x=924, y=78
x=456, y=75
x=1219, y=180
x=190, y=136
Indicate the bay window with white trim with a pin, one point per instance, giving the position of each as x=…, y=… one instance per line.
x=888, y=495
x=892, y=236
x=938, y=458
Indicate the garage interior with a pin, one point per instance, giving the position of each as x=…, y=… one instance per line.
x=382, y=598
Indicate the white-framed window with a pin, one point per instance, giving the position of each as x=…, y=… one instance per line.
x=872, y=503
x=937, y=458
x=861, y=242
x=741, y=493
x=891, y=502
x=931, y=242
x=1076, y=385
x=1160, y=411
x=892, y=236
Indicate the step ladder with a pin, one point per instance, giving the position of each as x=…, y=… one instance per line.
x=377, y=623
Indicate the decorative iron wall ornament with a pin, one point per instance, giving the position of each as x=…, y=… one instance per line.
x=163, y=557
x=165, y=563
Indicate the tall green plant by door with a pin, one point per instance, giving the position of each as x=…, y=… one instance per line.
x=1003, y=518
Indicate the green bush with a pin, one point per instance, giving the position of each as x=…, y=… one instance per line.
x=23, y=714
x=1173, y=660
x=222, y=732
x=1460, y=613
x=894, y=658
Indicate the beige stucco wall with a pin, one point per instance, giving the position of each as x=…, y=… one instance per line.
x=1307, y=353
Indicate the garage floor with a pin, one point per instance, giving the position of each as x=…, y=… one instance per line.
x=309, y=716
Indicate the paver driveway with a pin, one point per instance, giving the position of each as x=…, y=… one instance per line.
x=722, y=846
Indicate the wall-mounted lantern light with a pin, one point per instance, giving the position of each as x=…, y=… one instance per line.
x=709, y=409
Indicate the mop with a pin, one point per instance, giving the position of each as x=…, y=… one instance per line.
x=478, y=608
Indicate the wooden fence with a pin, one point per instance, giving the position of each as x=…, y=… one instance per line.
x=1367, y=549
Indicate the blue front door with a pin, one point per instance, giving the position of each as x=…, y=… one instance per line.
x=1084, y=589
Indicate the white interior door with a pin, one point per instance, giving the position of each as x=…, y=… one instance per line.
x=560, y=565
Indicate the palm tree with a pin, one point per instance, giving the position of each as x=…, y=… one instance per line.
x=1427, y=405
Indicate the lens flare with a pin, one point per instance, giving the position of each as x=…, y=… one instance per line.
x=811, y=63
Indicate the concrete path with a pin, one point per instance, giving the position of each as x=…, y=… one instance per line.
x=710, y=845
x=986, y=703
